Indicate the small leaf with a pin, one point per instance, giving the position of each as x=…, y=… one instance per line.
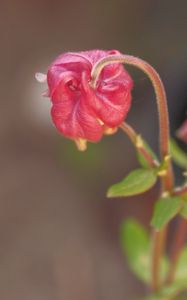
x=135, y=183
x=181, y=272
x=183, y=211
x=178, y=155
x=136, y=246
x=134, y=238
x=142, y=159
x=135, y=243
x=167, y=293
x=165, y=209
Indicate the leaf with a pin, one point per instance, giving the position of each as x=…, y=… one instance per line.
x=142, y=159
x=135, y=243
x=135, y=183
x=178, y=155
x=167, y=293
x=134, y=238
x=136, y=246
x=178, y=286
x=165, y=209
x=181, y=272
x=183, y=211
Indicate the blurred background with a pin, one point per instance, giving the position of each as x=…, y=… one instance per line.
x=59, y=235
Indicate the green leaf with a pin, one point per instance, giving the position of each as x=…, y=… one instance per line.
x=134, y=238
x=135, y=183
x=165, y=209
x=135, y=243
x=178, y=286
x=167, y=293
x=183, y=211
x=142, y=159
x=178, y=155
x=136, y=246
x=181, y=272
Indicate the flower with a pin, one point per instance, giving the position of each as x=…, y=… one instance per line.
x=182, y=132
x=79, y=111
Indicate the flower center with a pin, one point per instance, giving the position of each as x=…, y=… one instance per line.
x=73, y=85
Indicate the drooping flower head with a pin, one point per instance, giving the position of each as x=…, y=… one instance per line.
x=79, y=111
x=182, y=132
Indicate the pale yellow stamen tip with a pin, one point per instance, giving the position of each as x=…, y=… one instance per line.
x=139, y=142
x=162, y=173
x=156, y=163
x=167, y=158
x=100, y=122
x=165, y=194
x=109, y=131
x=81, y=144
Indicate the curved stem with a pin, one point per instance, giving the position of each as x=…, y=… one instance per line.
x=167, y=180
x=130, y=132
x=160, y=97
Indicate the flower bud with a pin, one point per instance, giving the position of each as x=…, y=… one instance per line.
x=78, y=111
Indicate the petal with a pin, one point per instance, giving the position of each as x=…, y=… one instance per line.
x=57, y=75
x=111, y=101
x=109, y=112
x=75, y=120
x=67, y=65
x=71, y=58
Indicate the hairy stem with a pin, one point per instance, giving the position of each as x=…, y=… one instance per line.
x=167, y=180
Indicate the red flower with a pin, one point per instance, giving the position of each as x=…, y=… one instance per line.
x=79, y=111
x=182, y=132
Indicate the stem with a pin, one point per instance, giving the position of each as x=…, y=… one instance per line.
x=167, y=180
x=179, y=240
x=158, y=245
x=130, y=132
x=180, y=191
x=137, y=142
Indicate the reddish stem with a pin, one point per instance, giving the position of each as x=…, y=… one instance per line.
x=167, y=180
x=180, y=191
x=133, y=136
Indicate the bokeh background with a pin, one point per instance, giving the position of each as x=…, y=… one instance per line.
x=59, y=235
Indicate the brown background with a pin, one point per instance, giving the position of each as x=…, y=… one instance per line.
x=58, y=232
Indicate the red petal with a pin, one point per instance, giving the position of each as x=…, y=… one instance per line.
x=78, y=122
